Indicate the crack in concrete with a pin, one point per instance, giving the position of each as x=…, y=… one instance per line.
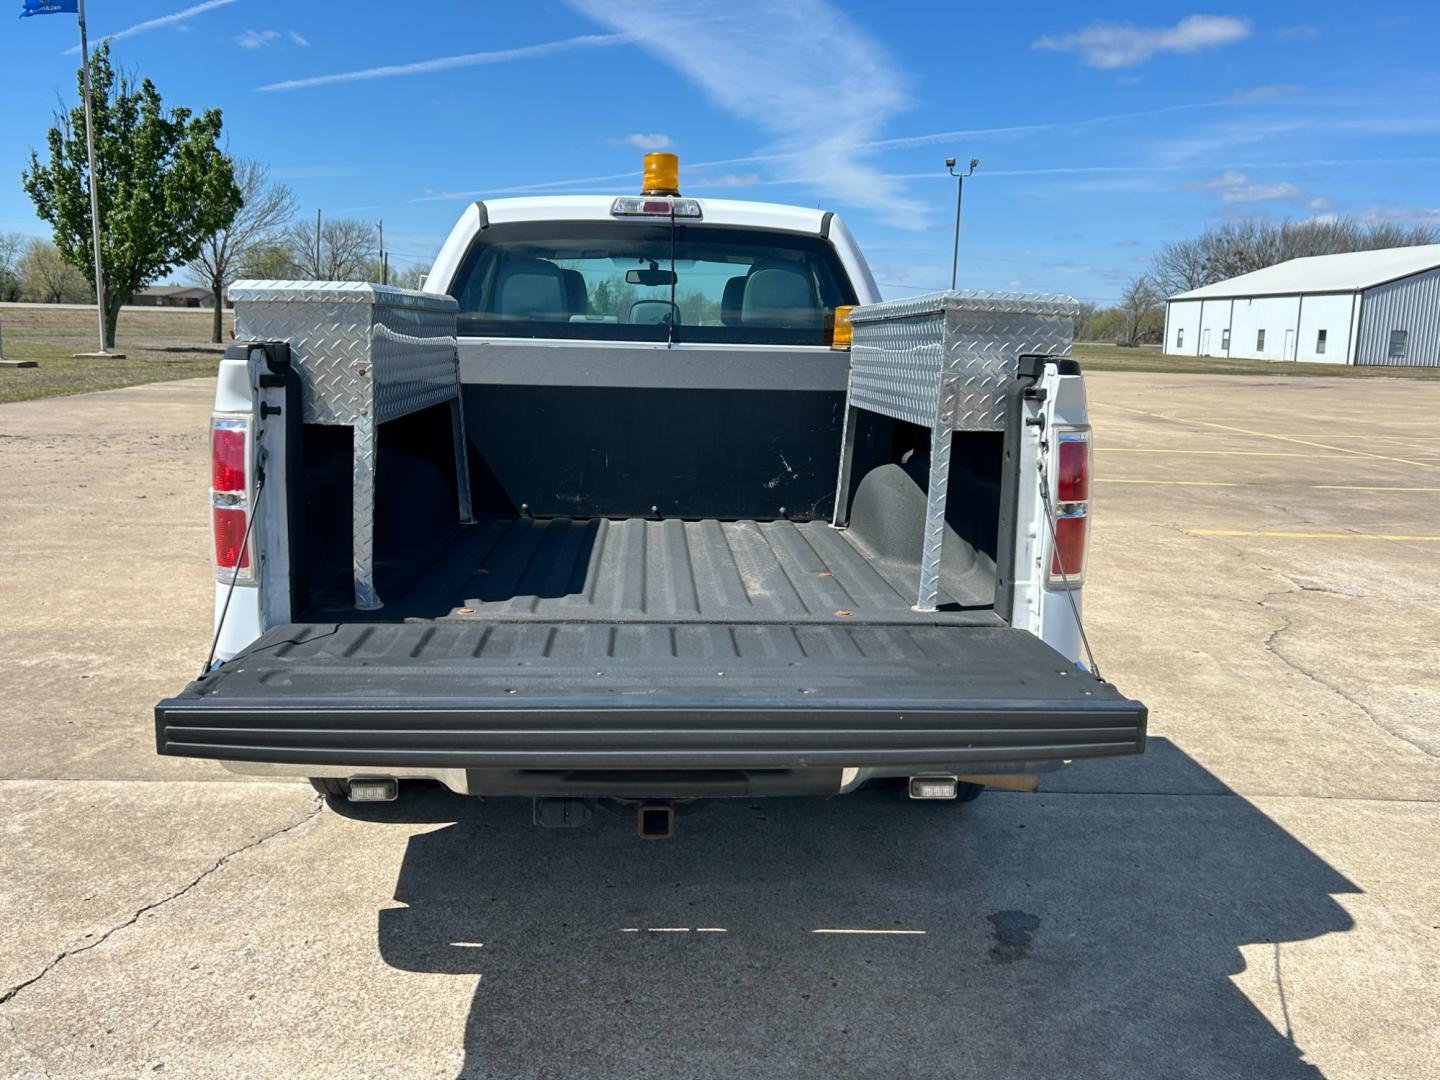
x=10, y=994
x=1320, y=680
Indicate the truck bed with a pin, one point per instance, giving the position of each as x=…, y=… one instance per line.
x=643, y=571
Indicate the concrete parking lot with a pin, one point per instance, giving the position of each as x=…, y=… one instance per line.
x=1255, y=897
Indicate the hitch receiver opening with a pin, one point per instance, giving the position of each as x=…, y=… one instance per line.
x=655, y=821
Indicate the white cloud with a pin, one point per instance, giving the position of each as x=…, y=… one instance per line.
x=642, y=141
x=1115, y=45
x=1236, y=187
x=821, y=102
x=1400, y=215
x=256, y=39
x=447, y=63
x=730, y=180
x=1261, y=93
x=163, y=20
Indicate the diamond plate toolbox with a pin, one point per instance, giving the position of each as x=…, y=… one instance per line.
x=364, y=352
x=945, y=359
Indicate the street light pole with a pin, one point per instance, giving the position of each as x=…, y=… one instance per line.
x=94, y=196
x=959, y=195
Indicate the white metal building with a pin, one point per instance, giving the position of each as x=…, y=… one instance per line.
x=1363, y=307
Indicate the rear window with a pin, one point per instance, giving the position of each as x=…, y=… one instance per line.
x=612, y=281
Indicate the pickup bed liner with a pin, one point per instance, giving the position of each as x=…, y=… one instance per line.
x=654, y=695
x=633, y=570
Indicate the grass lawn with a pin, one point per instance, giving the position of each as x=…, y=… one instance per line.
x=174, y=343
x=1095, y=357
x=159, y=344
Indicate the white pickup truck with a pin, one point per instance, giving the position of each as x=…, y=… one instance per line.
x=667, y=536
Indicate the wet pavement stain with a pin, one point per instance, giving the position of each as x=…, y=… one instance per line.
x=1012, y=931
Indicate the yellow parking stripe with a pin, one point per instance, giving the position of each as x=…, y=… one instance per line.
x=1103, y=450
x=1308, y=535
x=1282, y=438
x=1370, y=487
x=1168, y=483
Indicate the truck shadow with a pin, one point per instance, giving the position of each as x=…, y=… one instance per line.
x=1065, y=934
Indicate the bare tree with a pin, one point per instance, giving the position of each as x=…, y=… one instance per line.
x=343, y=252
x=267, y=207
x=11, y=246
x=1180, y=266
x=1082, y=320
x=1249, y=244
x=48, y=278
x=1139, y=303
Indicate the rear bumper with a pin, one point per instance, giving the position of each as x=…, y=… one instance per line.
x=456, y=737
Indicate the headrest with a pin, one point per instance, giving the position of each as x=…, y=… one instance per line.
x=577, y=298
x=733, y=301
x=779, y=294
x=531, y=289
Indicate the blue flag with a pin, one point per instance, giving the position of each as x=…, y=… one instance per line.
x=49, y=7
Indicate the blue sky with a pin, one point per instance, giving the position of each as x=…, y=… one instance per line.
x=1103, y=130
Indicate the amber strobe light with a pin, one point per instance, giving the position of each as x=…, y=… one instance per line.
x=842, y=332
x=662, y=175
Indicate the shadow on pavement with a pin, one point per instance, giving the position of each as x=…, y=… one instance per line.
x=1064, y=935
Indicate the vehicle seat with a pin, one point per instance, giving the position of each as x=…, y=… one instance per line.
x=577, y=297
x=732, y=301
x=777, y=294
x=531, y=289
x=651, y=312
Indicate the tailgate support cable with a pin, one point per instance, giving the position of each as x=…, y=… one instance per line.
x=1064, y=577
x=235, y=577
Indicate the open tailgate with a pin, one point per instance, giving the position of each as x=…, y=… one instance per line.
x=673, y=696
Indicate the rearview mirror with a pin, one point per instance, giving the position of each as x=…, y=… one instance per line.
x=650, y=277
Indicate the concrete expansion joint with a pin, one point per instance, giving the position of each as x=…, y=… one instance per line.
x=214, y=868
x=1272, y=647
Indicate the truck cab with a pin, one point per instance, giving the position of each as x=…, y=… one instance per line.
x=630, y=517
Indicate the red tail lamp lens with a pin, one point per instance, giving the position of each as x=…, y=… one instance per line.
x=230, y=550
x=227, y=457
x=1074, y=477
x=1071, y=535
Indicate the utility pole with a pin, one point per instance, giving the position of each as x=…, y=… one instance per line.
x=959, y=194
x=384, y=276
x=94, y=194
x=317, y=241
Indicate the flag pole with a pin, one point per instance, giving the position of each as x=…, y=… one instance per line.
x=94, y=194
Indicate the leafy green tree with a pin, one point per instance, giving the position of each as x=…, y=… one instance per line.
x=270, y=261
x=164, y=184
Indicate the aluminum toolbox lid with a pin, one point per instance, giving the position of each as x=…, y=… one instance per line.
x=339, y=292
x=975, y=300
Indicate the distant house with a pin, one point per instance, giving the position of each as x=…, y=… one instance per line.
x=172, y=296
x=1359, y=307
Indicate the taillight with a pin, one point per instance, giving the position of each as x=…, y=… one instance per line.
x=230, y=551
x=1072, y=482
x=230, y=497
x=1072, y=508
x=227, y=455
